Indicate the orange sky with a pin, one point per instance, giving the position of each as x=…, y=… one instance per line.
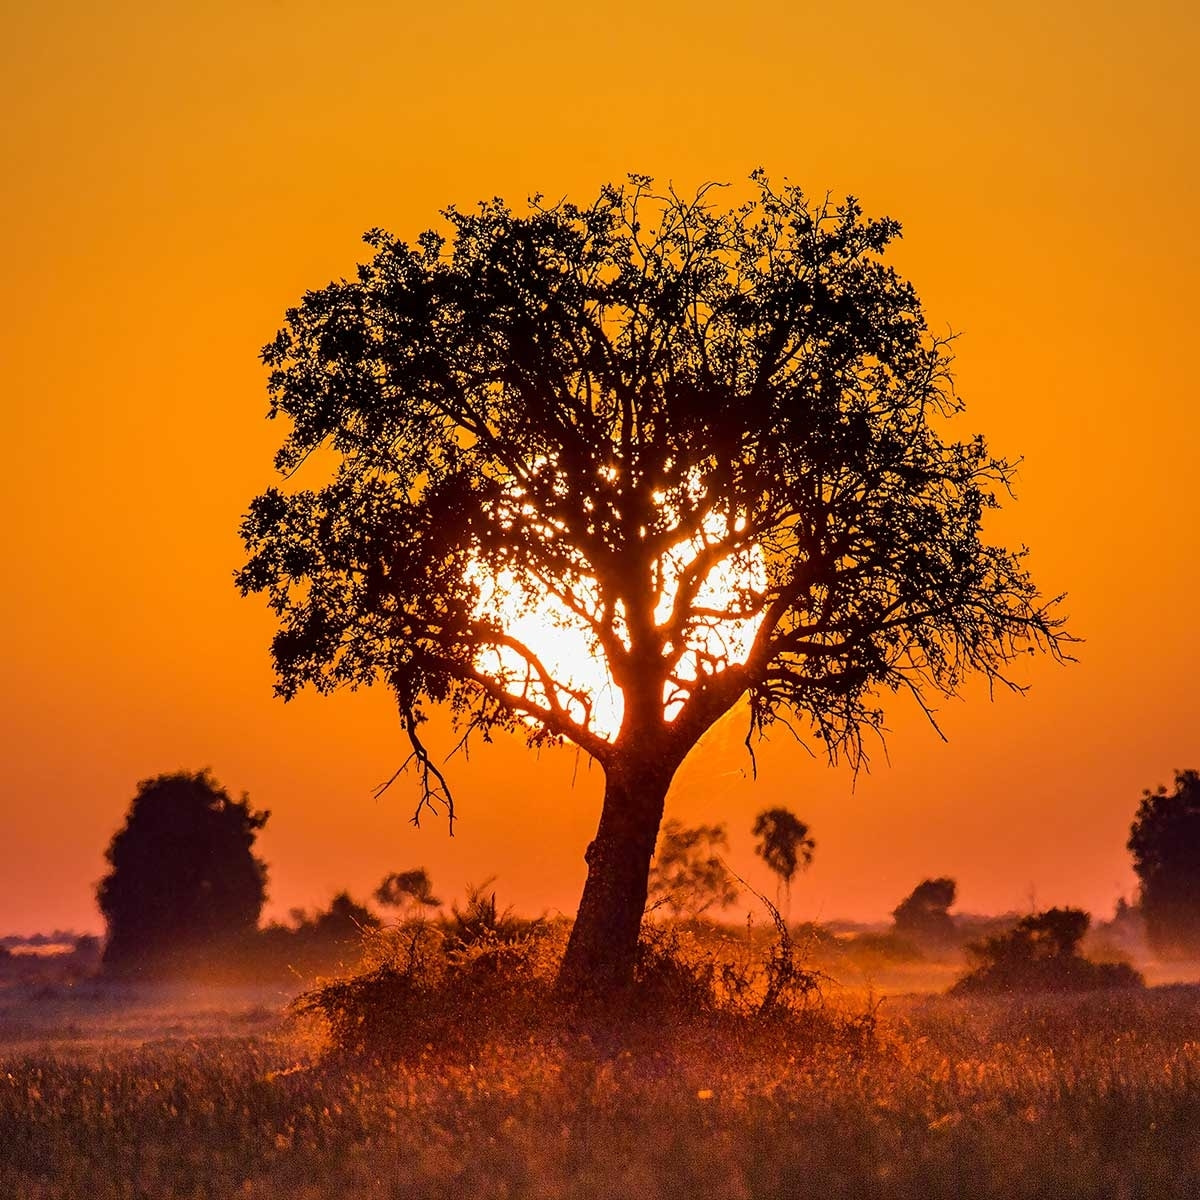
x=174, y=180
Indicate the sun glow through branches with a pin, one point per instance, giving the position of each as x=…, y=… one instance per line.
x=719, y=630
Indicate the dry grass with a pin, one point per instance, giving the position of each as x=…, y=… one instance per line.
x=1064, y=1097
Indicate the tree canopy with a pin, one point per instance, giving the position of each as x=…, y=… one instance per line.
x=183, y=884
x=687, y=874
x=706, y=442
x=407, y=890
x=1165, y=842
x=784, y=842
x=924, y=914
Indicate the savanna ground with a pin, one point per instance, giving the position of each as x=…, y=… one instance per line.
x=216, y=1092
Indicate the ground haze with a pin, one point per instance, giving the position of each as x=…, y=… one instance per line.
x=211, y=1092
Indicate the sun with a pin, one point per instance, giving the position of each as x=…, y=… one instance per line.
x=726, y=615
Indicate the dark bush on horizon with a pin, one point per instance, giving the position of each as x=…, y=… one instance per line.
x=1041, y=954
x=324, y=940
x=184, y=889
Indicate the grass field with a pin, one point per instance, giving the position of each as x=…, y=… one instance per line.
x=212, y=1094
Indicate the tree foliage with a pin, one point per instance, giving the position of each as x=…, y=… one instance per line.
x=687, y=875
x=183, y=885
x=924, y=914
x=1165, y=842
x=784, y=843
x=583, y=414
x=1041, y=953
x=407, y=890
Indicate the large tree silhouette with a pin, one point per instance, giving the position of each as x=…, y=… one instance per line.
x=184, y=885
x=1165, y=842
x=709, y=441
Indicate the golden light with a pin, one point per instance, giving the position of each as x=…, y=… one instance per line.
x=569, y=650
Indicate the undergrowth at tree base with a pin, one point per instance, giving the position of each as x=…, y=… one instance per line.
x=426, y=992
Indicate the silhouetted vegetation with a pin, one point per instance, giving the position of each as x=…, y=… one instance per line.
x=784, y=844
x=411, y=892
x=431, y=988
x=48, y=960
x=540, y=410
x=1041, y=954
x=923, y=916
x=687, y=875
x=184, y=887
x=1165, y=842
x=316, y=942
x=481, y=919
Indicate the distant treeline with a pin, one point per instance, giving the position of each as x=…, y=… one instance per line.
x=184, y=897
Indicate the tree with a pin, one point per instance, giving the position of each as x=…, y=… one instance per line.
x=1165, y=842
x=706, y=443
x=784, y=844
x=1041, y=953
x=184, y=885
x=687, y=874
x=408, y=890
x=924, y=914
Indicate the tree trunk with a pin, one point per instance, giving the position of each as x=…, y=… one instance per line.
x=601, y=952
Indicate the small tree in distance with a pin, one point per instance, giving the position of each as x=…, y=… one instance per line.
x=1041, y=954
x=407, y=890
x=687, y=875
x=707, y=444
x=1165, y=842
x=924, y=914
x=784, y=844
x=184, y=886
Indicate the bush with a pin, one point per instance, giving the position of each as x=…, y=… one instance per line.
x=430, y=992
x=1041, y=954
x=481, y=919
x=429, y=989
x=324, y=940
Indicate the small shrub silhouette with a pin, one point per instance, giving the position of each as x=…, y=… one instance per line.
x=1041, y=954
x=430, y=990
